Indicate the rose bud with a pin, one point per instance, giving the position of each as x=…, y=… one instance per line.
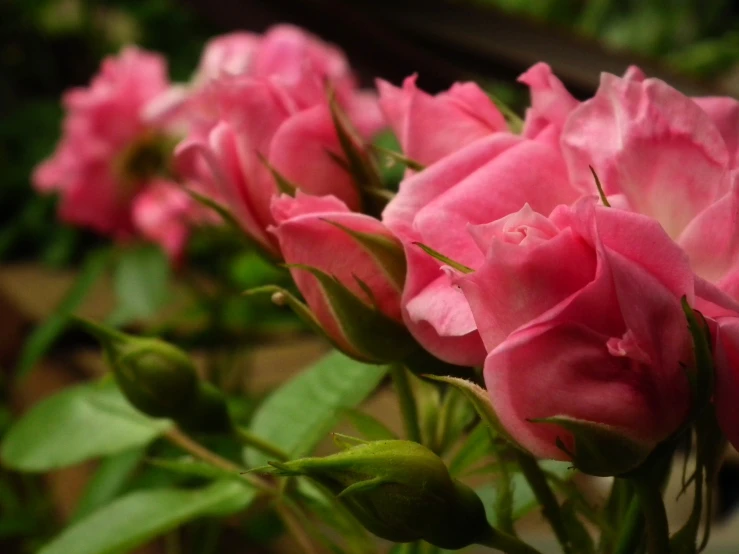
x=400, y=491
x=160, y=380
x=586, y=364
x=350, y=270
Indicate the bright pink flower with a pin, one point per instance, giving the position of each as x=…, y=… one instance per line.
x=551, y=103
x=580, y=314
x=232, y=53
x=669, y=157
x=486, y=180
x=109, y=153
x=309, y=232
x=277, y=110
x=430, y=127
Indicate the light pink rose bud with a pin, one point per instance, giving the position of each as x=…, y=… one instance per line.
x=430, y=127
x=587, y=342
x=350, y=270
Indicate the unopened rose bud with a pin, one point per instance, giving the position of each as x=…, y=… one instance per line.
x=160, y=380
x=350, y=269
x=400, y=491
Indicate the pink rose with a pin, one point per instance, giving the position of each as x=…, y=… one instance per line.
x=277, y=109
x=430, y=127
x=163, y=213
x=109, y=153
x=669, y=157
x=580, y=314
x=322, y=233
x=486, y=180
x=551, y=103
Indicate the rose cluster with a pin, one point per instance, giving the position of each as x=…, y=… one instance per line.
x=559, y=258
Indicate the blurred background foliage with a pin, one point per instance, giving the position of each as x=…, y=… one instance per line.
x=699, y=38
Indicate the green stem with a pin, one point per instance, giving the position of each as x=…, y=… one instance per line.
x=550, y=507
x=247, y=438
x=407, y=401
x=632, y=527
x=650, y=498
x=506, y=543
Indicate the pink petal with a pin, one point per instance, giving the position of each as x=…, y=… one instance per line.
x=651, y=143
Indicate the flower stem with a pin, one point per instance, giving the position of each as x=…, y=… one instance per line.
x=247, y=438
x=407, y=401
x=181, y=440
x=650, y=498
x=632, y=528
x=506, y=543
x=550, y=507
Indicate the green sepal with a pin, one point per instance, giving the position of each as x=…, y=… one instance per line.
x=385, y=251
x=515, y=123
x=599, y=186
x=284, y=185
x=599, y=449
x=444, y=259
x=282, y=296
x=373, y=336
x=218, y=208
x=359, y=163
x=397, y=157
x=702, y=378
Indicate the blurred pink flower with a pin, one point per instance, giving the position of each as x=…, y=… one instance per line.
x=276, y=109
x=109, y=154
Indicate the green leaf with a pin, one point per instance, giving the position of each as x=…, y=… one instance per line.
x=369, y=427
x=138, y=517
x=108, y=481
x=300, y=413
x=141, y=281
x=81, y=422
x=43, y=336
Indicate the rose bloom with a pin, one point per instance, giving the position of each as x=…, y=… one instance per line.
x=275, y=109
x=110, y=154
x=494, y=174
x=581, y=317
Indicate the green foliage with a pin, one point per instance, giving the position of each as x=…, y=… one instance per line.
x=300, y=413
x=141, y=282
x=43, y=336
x=78, y=423
x=137, y=517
